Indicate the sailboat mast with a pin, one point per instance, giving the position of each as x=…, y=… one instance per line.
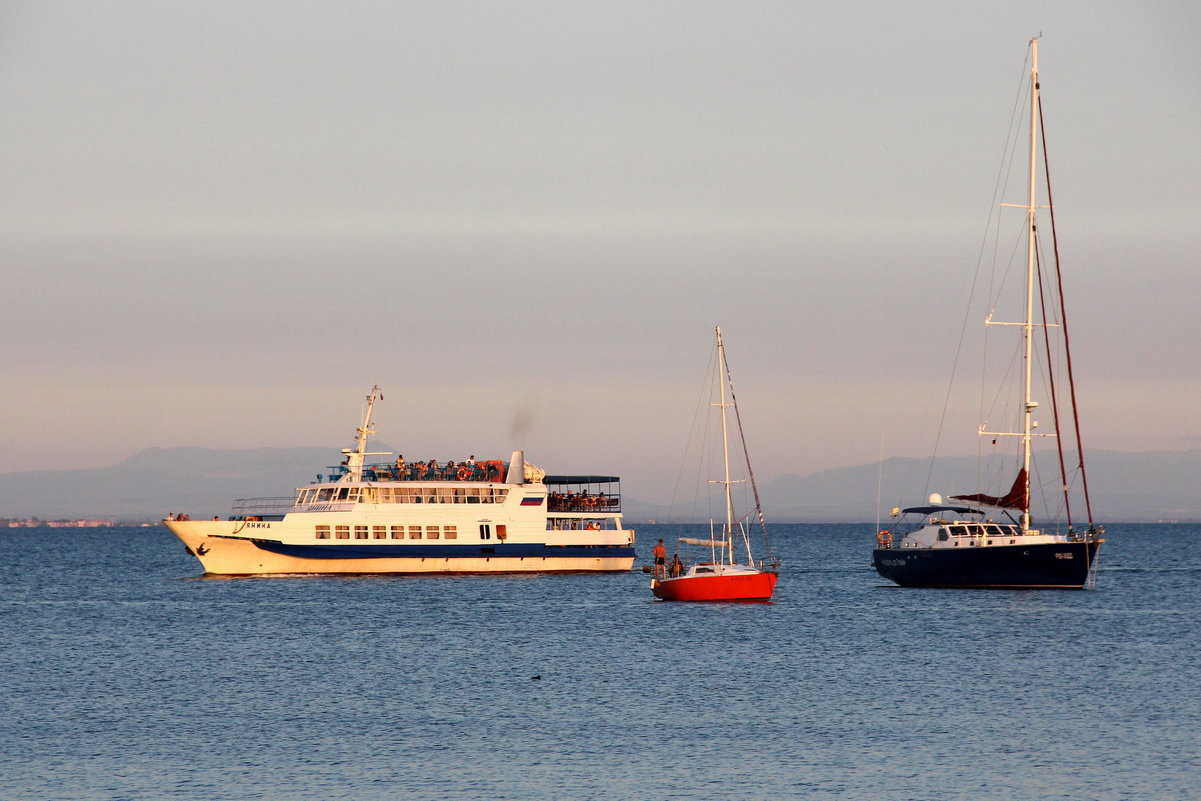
x=725, y=445
x=1028, y=327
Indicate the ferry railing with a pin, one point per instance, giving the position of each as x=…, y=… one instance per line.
x=257, y=507
x=492, y=470
x=571, y=502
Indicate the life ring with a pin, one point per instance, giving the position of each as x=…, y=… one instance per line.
x=463, y=473
x=884, y=539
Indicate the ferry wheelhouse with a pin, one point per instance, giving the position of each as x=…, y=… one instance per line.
x=487, y=516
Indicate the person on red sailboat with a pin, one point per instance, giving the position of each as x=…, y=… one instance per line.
x=660, y=560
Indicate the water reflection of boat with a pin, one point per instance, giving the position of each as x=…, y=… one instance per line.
x=949, y=545
x=485, y=516
x=720, y=576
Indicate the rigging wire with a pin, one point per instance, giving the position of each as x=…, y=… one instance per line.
x=1063, y=316
x=1000, y=186
x=704, y=396
x=750, y=472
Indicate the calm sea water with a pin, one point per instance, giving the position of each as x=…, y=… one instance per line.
x=125, y=676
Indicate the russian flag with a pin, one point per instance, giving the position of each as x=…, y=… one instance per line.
x=531, y=500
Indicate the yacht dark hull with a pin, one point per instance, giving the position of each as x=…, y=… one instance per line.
x=1045, y=566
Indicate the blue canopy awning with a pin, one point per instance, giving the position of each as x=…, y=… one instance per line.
x=926, y=510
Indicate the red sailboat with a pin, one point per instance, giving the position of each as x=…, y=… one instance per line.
x=721, y=576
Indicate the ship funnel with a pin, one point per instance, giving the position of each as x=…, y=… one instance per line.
x=516, y=473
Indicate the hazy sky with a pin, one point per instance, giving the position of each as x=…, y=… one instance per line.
x=222, y=222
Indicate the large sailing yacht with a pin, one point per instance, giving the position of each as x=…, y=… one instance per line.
x=991, y=540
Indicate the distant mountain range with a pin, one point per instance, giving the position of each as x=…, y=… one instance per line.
x=1150, y=486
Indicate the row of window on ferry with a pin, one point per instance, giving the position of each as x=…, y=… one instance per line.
x=400, y=532
x=306, y=497
x=981, y=530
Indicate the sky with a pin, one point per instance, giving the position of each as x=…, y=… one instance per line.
x=221, y=223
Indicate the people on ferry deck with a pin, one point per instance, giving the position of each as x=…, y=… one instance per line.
x=400, y=463
x=471, y=460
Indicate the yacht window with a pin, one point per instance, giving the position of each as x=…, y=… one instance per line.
x=959, y=531
x=995, y=531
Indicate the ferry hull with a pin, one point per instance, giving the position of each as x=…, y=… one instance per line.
x=1043, y=566
x=222, y=553
x=735, y=587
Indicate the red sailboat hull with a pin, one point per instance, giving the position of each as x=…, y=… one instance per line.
x=742, y=586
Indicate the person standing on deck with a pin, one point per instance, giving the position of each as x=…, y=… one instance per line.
x=660, y=560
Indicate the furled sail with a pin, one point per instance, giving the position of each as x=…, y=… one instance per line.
x=1016, y=498
x=713, y=543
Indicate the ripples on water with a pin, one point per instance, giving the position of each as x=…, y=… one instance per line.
x=126, y=677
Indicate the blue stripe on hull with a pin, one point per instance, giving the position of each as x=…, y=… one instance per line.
x=424, y=551
x=1059, y=565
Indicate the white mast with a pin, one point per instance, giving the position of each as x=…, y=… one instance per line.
x=725, y=444
x=355, y=458
x=1028, y=327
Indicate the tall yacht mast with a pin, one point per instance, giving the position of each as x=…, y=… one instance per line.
x=1028, y=327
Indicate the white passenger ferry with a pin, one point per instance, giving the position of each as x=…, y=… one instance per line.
x=487, y=516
